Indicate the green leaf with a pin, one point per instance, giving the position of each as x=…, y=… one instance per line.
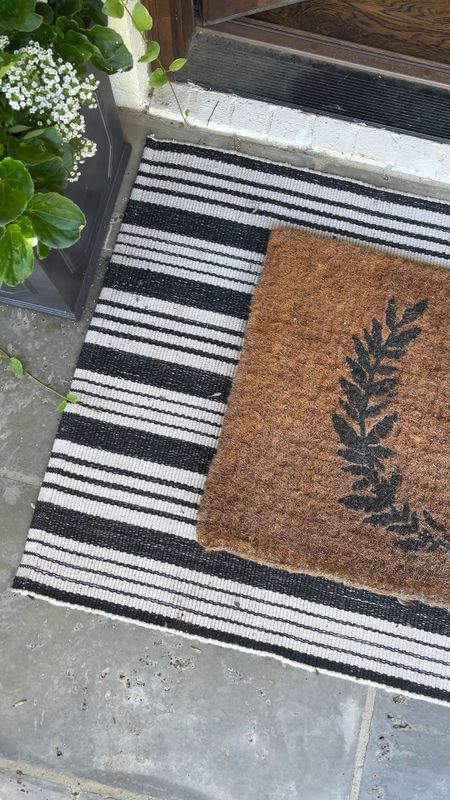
x=92, y=12
x=142, y=20
x=113, y=8
x=16, y=188
x=177, y=64
x=16, y=366
x=158, y=78
x=42, y=251
x=62, y=405
x=45, y=35
x=26, y=229
x=64, y=24
x=19, y=15
x=45, y=11
x=57, y=221
x=112, y=55
x=151, y=53
x=6, y=59
x=53, y=175
x=71, y=398
x=82, y=43
x=70, y=52
x=16, y=257
x=1, y=358
x=37, y=146
x=66, y=8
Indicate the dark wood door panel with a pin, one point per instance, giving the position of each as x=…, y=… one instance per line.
x=419, y=28
x=173, y=28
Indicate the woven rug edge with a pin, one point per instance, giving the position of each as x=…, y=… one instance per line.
x=232, y=646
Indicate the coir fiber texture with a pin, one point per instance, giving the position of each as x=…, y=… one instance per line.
x=114, y=529
x=334, y=456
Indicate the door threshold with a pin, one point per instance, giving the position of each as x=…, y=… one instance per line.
x=282, y=76
x=326, y=48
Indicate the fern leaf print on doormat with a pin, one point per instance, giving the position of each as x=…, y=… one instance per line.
x=333, y=459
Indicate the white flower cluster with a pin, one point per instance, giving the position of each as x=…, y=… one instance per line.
x=84, y=149
x=51, y=92
x=4, y=42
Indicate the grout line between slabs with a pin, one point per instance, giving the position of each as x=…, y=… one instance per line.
x=68, y=781
x=363, y=741
x=17, y=477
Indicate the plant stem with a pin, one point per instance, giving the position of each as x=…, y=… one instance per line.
x=184, y=117
x=5, y=354
x=161, y=65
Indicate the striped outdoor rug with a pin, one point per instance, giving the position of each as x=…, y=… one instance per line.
x=114, y=527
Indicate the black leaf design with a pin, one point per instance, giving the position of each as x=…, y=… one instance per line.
x=351, y=412
x=375, y=493
x=377, y=331
x=361, y=352
x=432, y=522
x=358, y=373
x=345, y=432
x=381, y=452
x=391, y=313
x=413, y=313
x=386, y=369
x=358, y=502
x=369, y=341
x=354, y=395
x=385, y=387
x=382, y=428
x=394, y=353
x=357, y=469
x=355, y=456
x=400, y=340
x=384, y=519
x=362, y=484
x=374, y=411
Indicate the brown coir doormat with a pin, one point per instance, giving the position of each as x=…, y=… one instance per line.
x=333, y=458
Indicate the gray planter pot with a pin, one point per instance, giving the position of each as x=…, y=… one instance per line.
x=59, y=284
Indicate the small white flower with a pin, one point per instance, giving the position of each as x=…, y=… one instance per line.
x=52, y=93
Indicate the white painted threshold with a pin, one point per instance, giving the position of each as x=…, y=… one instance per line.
x=361, y=147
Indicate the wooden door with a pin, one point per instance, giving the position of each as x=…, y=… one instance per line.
x=221, y=10
x=418, y=28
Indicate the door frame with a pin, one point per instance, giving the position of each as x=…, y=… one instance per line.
x=173, y=26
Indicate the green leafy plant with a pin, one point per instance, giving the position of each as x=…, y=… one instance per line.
x=143, y=23
x=46, y=51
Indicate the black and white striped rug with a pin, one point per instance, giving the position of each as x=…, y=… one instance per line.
x=114, y=527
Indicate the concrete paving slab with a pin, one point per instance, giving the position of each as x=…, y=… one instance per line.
x=17, y=782
x=166, y=716
x=17, y=500
x=17, y=786
x=408, y=753
x=48, y=347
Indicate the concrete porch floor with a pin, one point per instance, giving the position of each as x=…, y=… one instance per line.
x=93, y=708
